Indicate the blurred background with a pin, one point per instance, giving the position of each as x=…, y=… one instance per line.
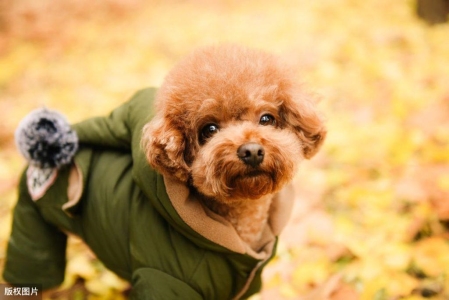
x=372, y=209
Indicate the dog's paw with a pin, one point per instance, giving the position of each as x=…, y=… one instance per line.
x=45, y=139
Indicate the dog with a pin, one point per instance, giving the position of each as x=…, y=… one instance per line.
x=184, y=197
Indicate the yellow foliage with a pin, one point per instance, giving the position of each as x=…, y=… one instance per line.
x=388, y=285
x=431, y=256
x=311, y=273
x=382, y=176
x=288, y=291
x=106, y=285
x=81, y=265
x=443, y=182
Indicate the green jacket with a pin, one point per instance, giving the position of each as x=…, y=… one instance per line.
x=146, y=228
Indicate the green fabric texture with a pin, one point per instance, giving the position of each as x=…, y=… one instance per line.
x=36, y=249
x=126, y=218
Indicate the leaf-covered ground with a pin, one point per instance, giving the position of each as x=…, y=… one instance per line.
x=371, y=211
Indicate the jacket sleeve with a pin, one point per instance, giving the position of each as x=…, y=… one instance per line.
x=112, y=131
x=152, y=284
x=36, y=249
x=124, y=124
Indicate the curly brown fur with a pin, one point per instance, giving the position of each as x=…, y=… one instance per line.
x=232, y=89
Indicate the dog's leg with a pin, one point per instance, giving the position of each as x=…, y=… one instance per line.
x=36, y=249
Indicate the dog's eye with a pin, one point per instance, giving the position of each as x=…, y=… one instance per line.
x=208, y=131
x=267, y=119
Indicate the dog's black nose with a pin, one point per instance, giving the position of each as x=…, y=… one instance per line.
x=251, y=154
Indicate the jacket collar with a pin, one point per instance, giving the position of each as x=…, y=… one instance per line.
x=218, y=230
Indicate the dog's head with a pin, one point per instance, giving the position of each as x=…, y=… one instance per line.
x=233, y=123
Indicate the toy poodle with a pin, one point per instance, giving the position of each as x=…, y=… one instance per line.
x=184, y=197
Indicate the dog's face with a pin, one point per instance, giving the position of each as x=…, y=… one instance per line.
x=232, y=123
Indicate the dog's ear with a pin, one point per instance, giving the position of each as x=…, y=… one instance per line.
x=164, y=146
x=299, y=112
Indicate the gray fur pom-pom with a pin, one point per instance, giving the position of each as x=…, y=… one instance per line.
x=45, y=139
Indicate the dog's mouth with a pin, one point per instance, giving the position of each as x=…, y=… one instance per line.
x=252, y=183
x=254, y=173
